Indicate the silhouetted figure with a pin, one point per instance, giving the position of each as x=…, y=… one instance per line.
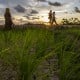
x=8, y=19
x=54, y=18
x=50, y=17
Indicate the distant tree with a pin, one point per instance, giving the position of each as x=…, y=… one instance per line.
x=8, y=19
x=71, y=21
x=65, y=21
x=76, y=21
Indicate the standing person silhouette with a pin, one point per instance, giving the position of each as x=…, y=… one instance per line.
x=50, y=17
x=54, y=18
x=8, y=19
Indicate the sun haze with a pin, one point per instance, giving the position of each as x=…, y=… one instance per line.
x=37, y=10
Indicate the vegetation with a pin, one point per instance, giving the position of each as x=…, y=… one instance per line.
x=26, y=49
x=71, y=21
x=67, y=44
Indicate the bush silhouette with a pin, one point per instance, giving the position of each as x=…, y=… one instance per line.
x=8, y=19
x=71, y=21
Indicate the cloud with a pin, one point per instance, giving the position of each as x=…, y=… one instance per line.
x=31, y=17
x=20, y=9
x=28, y=17
x=55, y=3
x=77, y=10
x=2, y=6
x=35, y=18
x=42, y=0
x=34, y=12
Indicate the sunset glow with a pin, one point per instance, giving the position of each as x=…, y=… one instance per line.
x=37, y=10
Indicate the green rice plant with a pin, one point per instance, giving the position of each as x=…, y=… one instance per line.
x=26, y=49
x=69, y=55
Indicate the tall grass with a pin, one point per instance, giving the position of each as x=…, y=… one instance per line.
x=68, y=51
x=26, y=49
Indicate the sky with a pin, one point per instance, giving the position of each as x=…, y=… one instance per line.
x=24, y=11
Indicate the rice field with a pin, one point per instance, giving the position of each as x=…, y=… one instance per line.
x=23, y=52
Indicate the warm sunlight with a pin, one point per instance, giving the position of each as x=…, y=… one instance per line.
x=39, y=39
x=45, y=19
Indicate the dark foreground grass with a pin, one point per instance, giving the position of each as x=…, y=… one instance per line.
x=67, y=44
x=26, y=49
